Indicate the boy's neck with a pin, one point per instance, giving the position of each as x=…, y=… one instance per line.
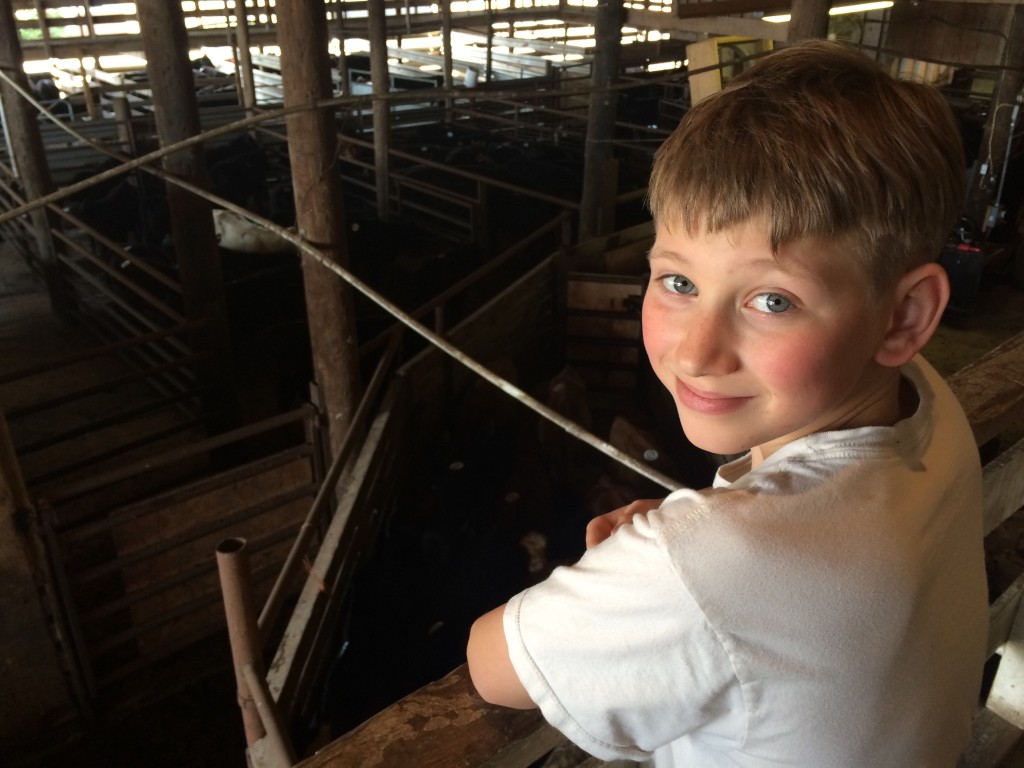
x=890, y=399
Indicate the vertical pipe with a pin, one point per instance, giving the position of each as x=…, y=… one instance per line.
x=276, y=747
x=243, y=634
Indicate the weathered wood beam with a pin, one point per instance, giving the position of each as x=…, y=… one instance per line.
x=21, y=124
x=726, y=7
x=320, y=215
x=716, y=25
x=991, y=389
x=809, y=20
x=176, y=115
x=597, y=206
x=443, y=725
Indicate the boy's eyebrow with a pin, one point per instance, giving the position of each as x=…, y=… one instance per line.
x=655, y=251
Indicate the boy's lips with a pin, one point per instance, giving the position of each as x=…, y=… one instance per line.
x=711, y=403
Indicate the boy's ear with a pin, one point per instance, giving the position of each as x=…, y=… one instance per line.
x=919, y=300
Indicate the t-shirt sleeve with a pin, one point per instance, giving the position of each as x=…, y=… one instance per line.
x=618, y=655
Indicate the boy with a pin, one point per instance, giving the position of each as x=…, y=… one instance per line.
x=823, y=603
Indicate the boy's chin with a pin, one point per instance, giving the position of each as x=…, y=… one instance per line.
x=719, y=444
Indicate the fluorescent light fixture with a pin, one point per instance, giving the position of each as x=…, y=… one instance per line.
x=838, y=10
x=663, y=66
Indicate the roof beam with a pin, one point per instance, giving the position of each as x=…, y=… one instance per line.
x=713, y=25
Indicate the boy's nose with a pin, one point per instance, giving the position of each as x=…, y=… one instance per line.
x=707, y=347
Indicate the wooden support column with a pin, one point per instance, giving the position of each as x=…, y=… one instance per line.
x=244, y=68
x=312, y=140
x=21, y=125
x=809, y=18
x=380, y=80
x=597, y=211
x=446, y=43
x=195, y=245
x=489, y=68
x=343, y=75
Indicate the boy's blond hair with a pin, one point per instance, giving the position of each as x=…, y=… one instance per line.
x=818, y=141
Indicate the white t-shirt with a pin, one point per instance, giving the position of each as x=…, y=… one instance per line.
x=827, y=609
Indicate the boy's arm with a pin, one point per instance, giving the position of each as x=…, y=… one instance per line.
x=490, y=668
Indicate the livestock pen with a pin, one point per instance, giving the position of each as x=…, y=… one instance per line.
x=446, y=724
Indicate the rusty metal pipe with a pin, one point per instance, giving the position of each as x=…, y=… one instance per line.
x=243, y=634
x=275, y=747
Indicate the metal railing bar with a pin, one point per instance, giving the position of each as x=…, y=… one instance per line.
x=103, y=386
x=118, y=250
x=176, y=455
x=124, y=447
x=98, y=424
x=82, y=671
x=103, y=290
x=101, y=351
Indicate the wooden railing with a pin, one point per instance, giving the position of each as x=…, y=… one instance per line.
x=445, y=724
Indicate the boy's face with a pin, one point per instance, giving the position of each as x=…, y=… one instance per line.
x=758, y=349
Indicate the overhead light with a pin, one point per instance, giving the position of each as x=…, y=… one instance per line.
x=838, y=10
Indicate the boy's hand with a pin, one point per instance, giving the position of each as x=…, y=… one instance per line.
x=603, y=526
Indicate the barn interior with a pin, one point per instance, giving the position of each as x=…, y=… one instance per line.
x=319, y=333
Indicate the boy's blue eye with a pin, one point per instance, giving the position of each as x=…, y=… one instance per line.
x=771, y=302
x=678, y=284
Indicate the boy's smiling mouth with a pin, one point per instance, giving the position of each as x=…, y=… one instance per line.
x=711, y=403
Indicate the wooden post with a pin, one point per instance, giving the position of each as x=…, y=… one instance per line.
x=244, y=68
x=446, y=43
x=21, y=124
x=380, y=80
x=596, y=215
x=809, y=18
x=343, y=75
x=489, y=68
x=195, y=245
x=312, y=137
